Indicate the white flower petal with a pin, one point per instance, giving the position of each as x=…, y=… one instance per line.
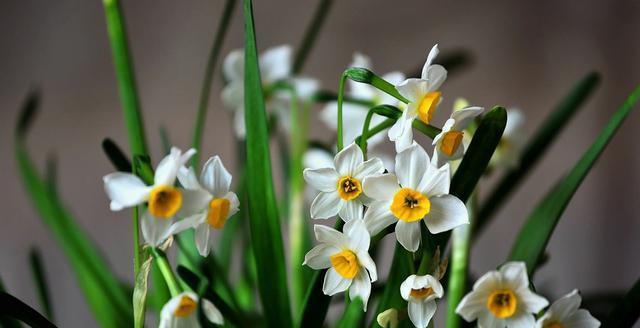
x=351, y=210
x=531, y=302
x=329, y=236
x=305, y=87
x=215, y=177
x=233, y=66
x=406, y=286
x=565, y=306
x=361, y=287
x=487, y=320
x=322, y=179
x=187, y=178
x=233, y=95
x=348, y=160
x=515, y=275
x=378, y=217
x=367, y=262
x=368, y=168
x=239, y=127
x=433, y=53
x=447, y=212
x=202, y=239
x=318, y=257
x=326, y=205
x=465, y=116
x=234, y=203
x=194, y=201
x=413, y=89
x=212, y=313
x=187, y=223
x=155, y=231
x=521, y=320
x=334, y=283
x=437, y=181
x=581, y=319
x=275, y=64
x=408, y=234
x=316, y=158
x=405, y=139
x=421, y=313
x=436, y=75
x=381, y=186
x=473, y=304
x=411, y=166
x=168, y=168
x=353, y=116
x=125, y=190
x=357, y=234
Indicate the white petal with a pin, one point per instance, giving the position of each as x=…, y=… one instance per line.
x=472, y=305
x=581, y=319
x=233, y=95
x=358, y=236
x=408, y=234
x=305, y=87
x=437, y=181
x=215, y=177
x=212, y=313
x=433, y=53
x=168, y=168
x=125, y=190
x=381, y=186
x=405, y=139
x=238, y=123
x=187, y=178
x=353, y=117
x=367, y=262
x=515, y=274
x=566, y=305
x=436, y=75
x=521, y=320
x=368, y=168
x=329, y=236
x=421, y=313
x=351, y=210
x=233, y=66
x=348, y=160
x=361, y=287
x=378, y=217
x=447, y=127
x=194, y=201
x=316, y=158
x=531, y=302
x=318, y=257
x=326, y=205
x=401, y=132
x=413, y=89
x=447, y=212
x=334, y=283
x=487, y=320
x=187, y=223
x=202, y=239
x=155, y=231
x=411, y=166
x=406, y=286
x=322, y=179
x=465, y=116
x=275, y=64
x=234, y=203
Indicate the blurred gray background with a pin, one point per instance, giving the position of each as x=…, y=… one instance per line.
x=526, y=54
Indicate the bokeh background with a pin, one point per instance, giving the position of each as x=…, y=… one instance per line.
x=526, y=54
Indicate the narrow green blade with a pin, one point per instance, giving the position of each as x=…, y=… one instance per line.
x=264, y=222
x=40, y=280
x=353, y=315
x=536, y=232
x=311, y=34
x=627, y=311
x=537, y=146
x=15, y=308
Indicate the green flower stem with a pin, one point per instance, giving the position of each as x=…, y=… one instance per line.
x=343, y=79
x=311, y=34
x=135, y=227
x=214, y=53
x=165, y=269
x=366, y=76
x=460, y=247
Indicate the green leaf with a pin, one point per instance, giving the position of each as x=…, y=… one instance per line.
x=116, y=156
x=353, y=315
x=626, y=312
x=263, y=208
x=109, y=302
x=311, y=34
x=214, y=53
x=15, y=308
x=536, y=232
x=125, y=75
x=536, y=147
x=401, y=267
x=40, y=280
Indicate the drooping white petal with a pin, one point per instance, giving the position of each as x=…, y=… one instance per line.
x=421, y=312
x=433, y=53
x=322, y=179
x=378, y=217
x=348, y=160
x=408, y=234
x=318, y=257
x=565, y=306
x=234, y=203
x=447, y=127
x=233, y=66
x=193, y=201
x=329, y=236
x=275, y=64
x=125, y=190
x=406, y=286
x=437, y=181
x=357, y=234
x=368, y=168
x=334, y=283
x=212, y=313
x=168, y=168
x=411, y=166
x=405, y=139
x=581, y=319
x=202, y=239
x=187, y=223
x=326, y=205
x=447, y=212
x=521, y=320
x=531, y=302
x=401, y=132
x=413, y=89
x=381, y=187
x=351, y=210
x=154, y=231
x=361, y=287
x=367, y=262
x=215, y=177
x=515, y=275
x=465, y=116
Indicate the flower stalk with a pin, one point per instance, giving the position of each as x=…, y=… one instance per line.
x=167, y=272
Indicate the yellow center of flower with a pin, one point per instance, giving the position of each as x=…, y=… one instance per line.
x=428, y=106
x=218, y=212
x=349, y=188
x=186, y=307
x=450, y=142
x=164, y=201
x=502, y=303
x=345, y=263
x=421, y=293
x=554, y=325
x=409, y=205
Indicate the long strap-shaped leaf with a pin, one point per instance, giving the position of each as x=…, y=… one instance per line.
x=40, y=281
x=12, y=307
x=263, y=209
x=627, y=311
x=536, y=232
x=536, y=147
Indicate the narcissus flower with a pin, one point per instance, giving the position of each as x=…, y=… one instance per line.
x=418, y=191
x=424, y=98
x=275, y=66
x=507, y=153
x=388, y=318
x=182, y=312
x=340, y=186
x=449, y=144
x=566, y=313
x=211, y=204
x=347, y=259
x=163, y=198
x=421, y=292
x=353, y=115
x=502, y=299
